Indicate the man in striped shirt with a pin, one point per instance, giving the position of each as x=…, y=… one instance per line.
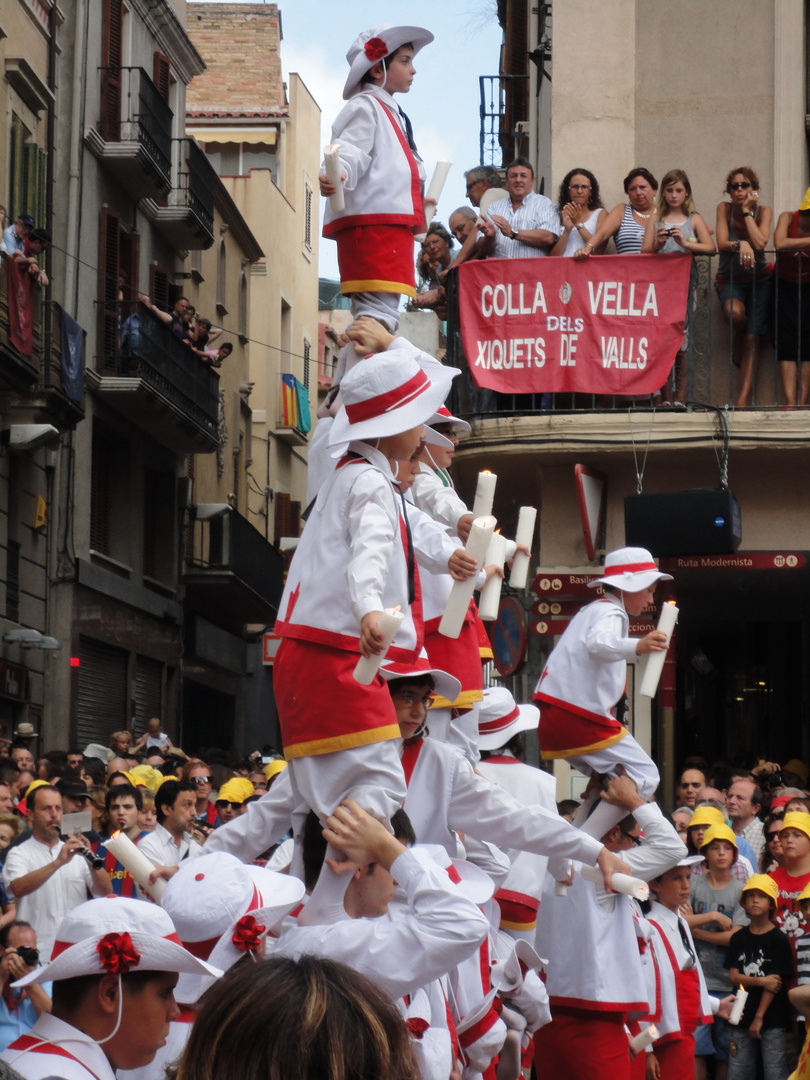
x=525, y=225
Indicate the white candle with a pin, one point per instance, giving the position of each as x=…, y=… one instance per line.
x=435, y=188
x=740, y=999
x=484, y=494
x=136, y=863
x=655, y=660
x=524, y=536
x=368, y=666
x=620, y=883
x=491, y=592
x=331, y=159
x=644, y=1039
x=460, y=595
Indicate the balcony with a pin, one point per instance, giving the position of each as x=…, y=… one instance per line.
x=153, y=379
x=562, y=426
x=186, y=218
x=134, y=135
x=34, y=384
x=234, y=576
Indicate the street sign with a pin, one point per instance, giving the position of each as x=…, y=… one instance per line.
x=550, y=583
x=270, y=644
x=743, y=560
x=510, y=637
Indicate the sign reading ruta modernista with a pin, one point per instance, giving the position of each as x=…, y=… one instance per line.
x=606, y=325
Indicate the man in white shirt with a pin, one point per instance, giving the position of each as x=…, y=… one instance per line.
x=524, y=226
x=170, y=843
x=44, y=875
x=743, y=801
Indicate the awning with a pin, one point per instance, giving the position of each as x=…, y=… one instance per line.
x=264, y=136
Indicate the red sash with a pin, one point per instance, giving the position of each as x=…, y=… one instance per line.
x=687, y=989
x=30, y=1042
x=565, y=731
x=409, y=757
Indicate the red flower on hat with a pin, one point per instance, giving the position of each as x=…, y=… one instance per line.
x=117, y=953
x=248, y=934
x=375, y=49
x=417, y=1026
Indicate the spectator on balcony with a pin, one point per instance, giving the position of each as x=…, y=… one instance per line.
x=462, y=224
x=479, y=180
x=791, y=239
x=744, y=281
x=581, y=210
x=214, y=357
x=34, y=247
x=177, y=319
x=677, y=229
x=15, y=235
x=434, y=258
x=627, y=221
x=524, y=225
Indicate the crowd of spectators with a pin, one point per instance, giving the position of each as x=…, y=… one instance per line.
x=522, y=223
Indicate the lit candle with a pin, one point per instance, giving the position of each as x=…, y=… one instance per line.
x=435, y=189
x=484, y=494
x=368, y=666
x=491, y=592
x=331, y=159
x=740, y=999
x=655, y=660
x=460, y=595
x=620, y=883
x=644, y=1039
x=136, y=863
x=525, y=534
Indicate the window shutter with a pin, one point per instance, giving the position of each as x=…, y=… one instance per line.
x=129, y=263
x=283, y=517
x=108, y=262
x=160, y=75
x=159, y=287
x=16, y=168
x=112, y=45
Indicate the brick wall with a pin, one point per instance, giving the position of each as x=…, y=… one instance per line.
x=240, y=44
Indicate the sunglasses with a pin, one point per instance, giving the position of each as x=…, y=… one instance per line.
x=200, y=779
x=233, y=805
x=636, y=839
x=773, y=836
x=737, y=187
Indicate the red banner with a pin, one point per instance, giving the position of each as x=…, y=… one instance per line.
x=20, y=308
x=606, y=325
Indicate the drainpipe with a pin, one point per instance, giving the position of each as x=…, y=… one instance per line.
x=71, y=294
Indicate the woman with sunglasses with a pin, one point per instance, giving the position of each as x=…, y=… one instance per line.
x=772, y=856
x=744, y=281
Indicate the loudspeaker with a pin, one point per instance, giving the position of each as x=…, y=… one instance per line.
x=704, y=521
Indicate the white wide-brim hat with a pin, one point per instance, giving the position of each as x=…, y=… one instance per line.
x=435, y=438
x=367, y=49
x=444, y=416
x=115, y=935
x=500, y=718
x=221, y=909
x=470, y=880
x=388, y=394
x=445, y=685
x=509, y=974
x=630, y=569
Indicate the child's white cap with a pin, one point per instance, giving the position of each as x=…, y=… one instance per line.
x=444, y=684
x=630, y=569
x=443, y=416
x=376, y=44
x=387, y=394
x=500, y=718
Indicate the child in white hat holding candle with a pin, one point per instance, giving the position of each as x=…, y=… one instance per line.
x=585, y=677
x=382, y=174
x=114, y=967
x=356, y=560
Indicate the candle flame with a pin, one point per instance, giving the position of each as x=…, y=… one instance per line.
x=497, y=532
x=115, y=834
x=487, y=472
x=671, y=602
x=397, y=608
x=334, y=147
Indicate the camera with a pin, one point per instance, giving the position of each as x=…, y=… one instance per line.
x=29, y=956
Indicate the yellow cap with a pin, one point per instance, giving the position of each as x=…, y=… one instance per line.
x=235, y=790
x=765, y=884
x=805, y=203
x=148, y=775
x=805, y=893
x=794, y=765
x=719, y=832
x=707, y=815
x=273, y=768
x=136, y=781
x=796, y=819
x=33, y=787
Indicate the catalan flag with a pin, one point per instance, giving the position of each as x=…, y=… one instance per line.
x=289, y=401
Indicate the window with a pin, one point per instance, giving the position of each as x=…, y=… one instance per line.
x=110, y=495
x=100, y=497
x=308, y=215
x=13, y=581
x=243, y=306
x=158, y=526
x=112, y=24
x=307, y=351
x=159, y=287
x=160, y=75
x=117, y=274
x=27, y=174
x=222, y=285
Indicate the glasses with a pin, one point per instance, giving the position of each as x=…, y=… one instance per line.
x=470, y=186
x=737, y=187
x=409, y=700
x=200, y=779
x=636, y=840
x=773, y=836
x=579, y=187
x=233, y=805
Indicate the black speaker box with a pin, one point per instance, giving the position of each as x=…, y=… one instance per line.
x=705, y=521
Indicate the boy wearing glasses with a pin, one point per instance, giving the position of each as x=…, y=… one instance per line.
x=199, y=774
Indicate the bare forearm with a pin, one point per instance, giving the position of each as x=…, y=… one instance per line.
x=102, y=885
x=28, y=883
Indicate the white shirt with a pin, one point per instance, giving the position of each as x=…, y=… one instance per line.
x=159, y=847
x=437, y=929
x=535, y=212
x=754, y=833
x=47, y=906
x=88, y=1059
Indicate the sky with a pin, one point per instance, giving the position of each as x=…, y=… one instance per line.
x=443, y=100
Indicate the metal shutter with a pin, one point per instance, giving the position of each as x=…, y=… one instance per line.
x=102, y=698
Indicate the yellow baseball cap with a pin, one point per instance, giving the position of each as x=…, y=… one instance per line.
x=796, y=819
x=273, y=768
x=706, y=815
x=235, y=790
x=805, y=203
x=719, y=832
x=765, y=884
x=149, y=775
x=794, y=765
x=33, y=787
x=805, y=893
